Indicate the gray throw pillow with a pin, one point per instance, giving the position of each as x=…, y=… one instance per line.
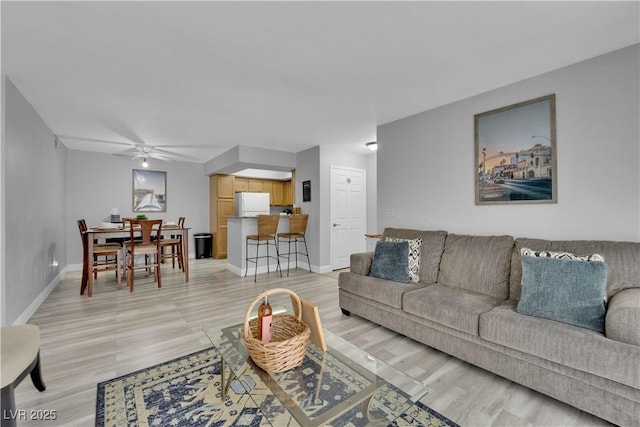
x=390, y=261
x=564, y=290
x=414, y=256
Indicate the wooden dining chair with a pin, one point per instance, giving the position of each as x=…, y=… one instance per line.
x=106, y=257
x=148, y=246
x=172, y=247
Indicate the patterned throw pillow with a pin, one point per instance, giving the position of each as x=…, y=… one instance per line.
x=414, y=255
x=560, y=255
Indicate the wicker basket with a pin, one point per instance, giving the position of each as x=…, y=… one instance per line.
x=289, y=337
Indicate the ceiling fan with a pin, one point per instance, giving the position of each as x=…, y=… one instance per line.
x=145, y=152
x=141, y=150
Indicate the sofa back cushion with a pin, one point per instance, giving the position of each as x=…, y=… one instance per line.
x=477, y=263
x=430, y=250
x=622, y=258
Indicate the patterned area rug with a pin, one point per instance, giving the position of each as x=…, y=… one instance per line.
x=186, y=392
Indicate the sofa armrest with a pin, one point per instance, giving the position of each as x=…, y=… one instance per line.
x=623, y=317
x=361, y=263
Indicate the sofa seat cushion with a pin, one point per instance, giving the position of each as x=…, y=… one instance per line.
x=449, y=306
x=623, y=317
x=578, y=348
x=383, y=291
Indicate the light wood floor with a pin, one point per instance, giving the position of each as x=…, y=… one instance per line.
x=89, y=340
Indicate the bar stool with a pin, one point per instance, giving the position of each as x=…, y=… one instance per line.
x=267, y=229
x=297, y=229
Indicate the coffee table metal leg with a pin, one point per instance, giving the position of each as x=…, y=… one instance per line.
x=224, y=386
x=366, y=407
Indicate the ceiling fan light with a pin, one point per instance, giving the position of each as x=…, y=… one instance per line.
x=144, y=163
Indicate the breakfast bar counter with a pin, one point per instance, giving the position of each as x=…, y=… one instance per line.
x=238, y=227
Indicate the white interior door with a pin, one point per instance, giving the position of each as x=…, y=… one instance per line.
x=348, y=214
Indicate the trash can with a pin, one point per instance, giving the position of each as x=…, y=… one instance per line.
x=203, y=244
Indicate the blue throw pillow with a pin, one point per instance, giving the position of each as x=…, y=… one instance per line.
x=391, y=261
x=564, y=290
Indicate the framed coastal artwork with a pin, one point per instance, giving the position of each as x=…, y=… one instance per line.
x=149, y=191
x=515, y=153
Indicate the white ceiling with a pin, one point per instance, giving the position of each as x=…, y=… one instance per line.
x=199, y=78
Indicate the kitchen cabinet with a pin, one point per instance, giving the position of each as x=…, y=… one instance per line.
x=222, y=202
x=221, y=205
x=225, y=186
x=287, y=193
x=225, y=209
x=277, y=193
x=256, y=185
x=241, y=184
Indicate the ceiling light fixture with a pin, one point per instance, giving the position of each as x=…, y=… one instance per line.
x=144, y=163
x=373, y=145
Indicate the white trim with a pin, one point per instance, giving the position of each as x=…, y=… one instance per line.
x=33, y=307
x=74, y=267
x=321, y=269
x=272, y=268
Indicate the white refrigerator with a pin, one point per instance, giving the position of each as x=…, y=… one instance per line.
x=252, y=204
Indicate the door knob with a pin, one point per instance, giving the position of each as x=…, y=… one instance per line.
x=335, y=225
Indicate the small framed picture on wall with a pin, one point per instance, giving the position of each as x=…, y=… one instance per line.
x=306, y=191
x=149, y=191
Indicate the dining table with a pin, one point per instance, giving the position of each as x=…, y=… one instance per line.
x=96, y=234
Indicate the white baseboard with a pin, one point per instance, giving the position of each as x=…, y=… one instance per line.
x=272, y=267
x=30, y=311
x=74, y=267
x=321, y=269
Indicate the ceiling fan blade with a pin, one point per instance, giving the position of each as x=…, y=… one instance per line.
x=93, y=140
x=172, y=154
x=160, y=157
x=142, y=150
x=188, y=146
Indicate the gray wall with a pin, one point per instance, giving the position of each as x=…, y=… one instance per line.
x=330, y=156
x=46, y=188
x=34, y=208
x=308, y=169
x=429, y=157
x=372, y=193
x=97, y=182
x=315, y=164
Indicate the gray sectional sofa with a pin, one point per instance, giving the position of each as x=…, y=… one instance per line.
x=465, y=301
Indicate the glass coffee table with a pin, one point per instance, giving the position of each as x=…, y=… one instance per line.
x=342, y=386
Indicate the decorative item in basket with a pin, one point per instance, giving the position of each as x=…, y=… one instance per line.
x=289, y=337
